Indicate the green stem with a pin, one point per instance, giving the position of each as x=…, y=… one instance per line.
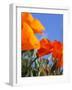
x=33, y=61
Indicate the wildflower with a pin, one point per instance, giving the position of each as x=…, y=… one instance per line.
x=34, y=23
x=57, y=52
x=45, y=47
x=37, y=26
x=26, y=17
x=29, y=27
x=29, y=40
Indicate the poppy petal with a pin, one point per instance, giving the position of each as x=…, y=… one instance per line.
x=37, y=26
x=29, y=40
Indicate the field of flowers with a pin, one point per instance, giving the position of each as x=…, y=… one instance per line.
x=38, y=57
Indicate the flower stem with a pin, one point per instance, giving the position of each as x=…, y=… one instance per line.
x=33, y=61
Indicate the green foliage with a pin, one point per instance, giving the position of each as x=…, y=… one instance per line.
x=33, y=66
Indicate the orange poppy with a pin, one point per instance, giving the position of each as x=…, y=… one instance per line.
x=45, y=47
x=57, y=52
x=26, y=17
x=59, y=63
x=29, y=40
x=35, y=24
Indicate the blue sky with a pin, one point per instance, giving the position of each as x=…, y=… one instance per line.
x=53, y=24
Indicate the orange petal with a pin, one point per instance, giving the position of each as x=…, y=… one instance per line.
x=37, y=26
x=59, y=63
x=26, y=16
x=57, y=52
x=29, y=40
x=45, y=47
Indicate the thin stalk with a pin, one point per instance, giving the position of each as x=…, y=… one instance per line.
x=33, y=61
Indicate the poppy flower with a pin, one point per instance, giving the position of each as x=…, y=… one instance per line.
x=57, y=52
x=26, y=17
x=59, y=63
x=45, y=47
x=34, y=23
x=37, y=26
x=29, y=40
